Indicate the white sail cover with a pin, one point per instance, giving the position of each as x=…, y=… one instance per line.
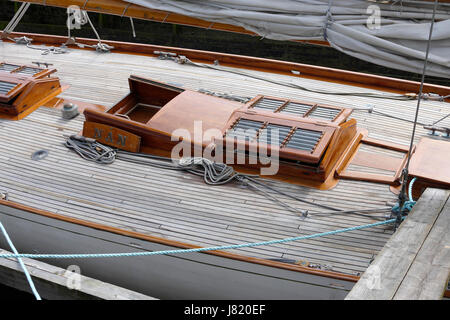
x=393, y=35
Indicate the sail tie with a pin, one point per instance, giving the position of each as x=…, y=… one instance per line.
x=329, y=21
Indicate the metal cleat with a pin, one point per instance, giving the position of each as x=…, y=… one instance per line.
x=181, y=59
x=162, y=55
x=4, y=195
x=103, y=47
x=432, y=97
x=70, y=41
x=22, y=40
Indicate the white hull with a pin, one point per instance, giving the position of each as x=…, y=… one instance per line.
x=184, y=276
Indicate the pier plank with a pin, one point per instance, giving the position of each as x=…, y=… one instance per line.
x=429, y=273
x=54, y=283
x=415, y=262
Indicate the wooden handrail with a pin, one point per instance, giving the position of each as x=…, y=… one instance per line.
x=125, y=9
x=351, y=78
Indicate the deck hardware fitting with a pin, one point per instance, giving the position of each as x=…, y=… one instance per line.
x=162, y=55
x=22, y=40
x=70, y=111
x=39, y=155
x=46, y=64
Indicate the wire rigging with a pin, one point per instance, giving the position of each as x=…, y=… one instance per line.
x=17, y=17
x=421, y=85
x=405, y=173
x=441, y=119
x=185, y=60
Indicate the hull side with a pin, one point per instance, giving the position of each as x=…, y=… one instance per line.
x=185, y=276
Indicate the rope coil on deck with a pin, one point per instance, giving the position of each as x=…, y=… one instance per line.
x=213, y=173
x=408, y=205
x=90, y=150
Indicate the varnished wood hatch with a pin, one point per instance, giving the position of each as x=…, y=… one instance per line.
x=315, y=144
x=24, y=88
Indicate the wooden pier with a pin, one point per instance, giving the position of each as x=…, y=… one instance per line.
x=415, y=263
x=55, y=283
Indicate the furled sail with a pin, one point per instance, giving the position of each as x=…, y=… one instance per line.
x=392, y=34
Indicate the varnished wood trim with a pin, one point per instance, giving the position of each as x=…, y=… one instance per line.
x=181, y=245
x=399, y=171
x=23, y=114
x=125, y=9
x=351, y=153
x=375, y=178
x=370, y=177
x=352, y=78
x=385, y=144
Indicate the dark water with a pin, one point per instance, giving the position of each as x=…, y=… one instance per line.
x=51, y=20
x=8, y=293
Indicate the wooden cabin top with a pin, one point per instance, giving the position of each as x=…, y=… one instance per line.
x=300, y=131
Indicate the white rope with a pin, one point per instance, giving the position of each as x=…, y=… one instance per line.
x=17, y=17
x=132, y=27
x=99, y=47
x=93, y=28
x=405, y=171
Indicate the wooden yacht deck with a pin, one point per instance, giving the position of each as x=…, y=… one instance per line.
x=178, y=206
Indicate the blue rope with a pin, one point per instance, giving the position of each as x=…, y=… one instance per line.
x=178, y=251
x=22, y=265
x=410, y=189
x=408, y=205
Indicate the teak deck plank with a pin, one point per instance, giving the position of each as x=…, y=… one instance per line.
x=136, y=179
x=229, y=229
x=230, y=219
